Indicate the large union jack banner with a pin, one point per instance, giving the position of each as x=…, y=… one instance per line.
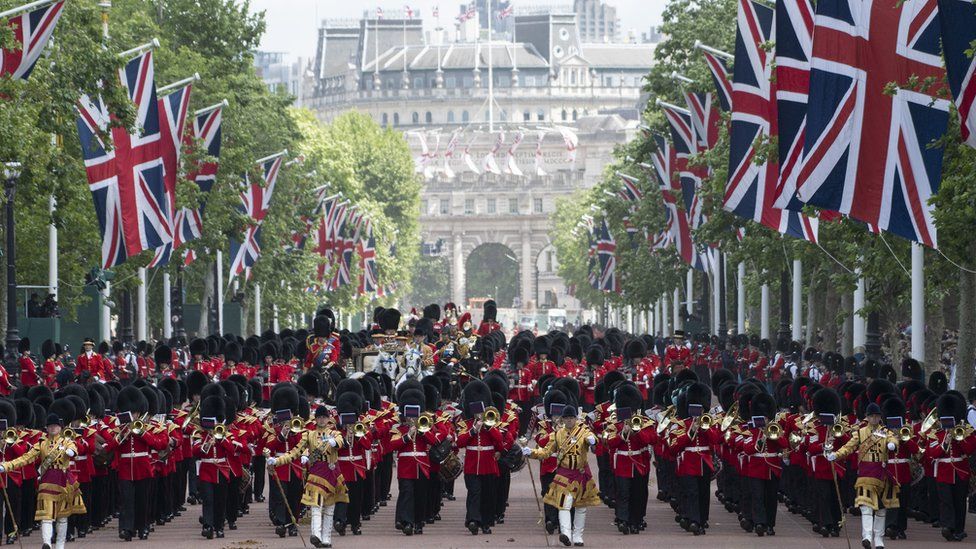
x=721, y=75
x=173, y=109
x=958, y=19
x=685, y=146
x=869, y=153
x=603, y=249
x=368, y=276
x=31, y=29
x=126, y=176
x=255, y=202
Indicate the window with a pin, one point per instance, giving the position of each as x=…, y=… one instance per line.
x=541, y=115
x=418, y=82
x=537, y=205
x=490, y=205
x=450, y=116
x=513, y=206
x=565, y=115
x=575, y=115
x=465, y=116
x=572, y=77
x=386, y=119
x=415, y=118
x=396, y=119
x=445, y=207
x=450, y=82
x=423, y=207
x=468, y=206
x=428, y=118
x=526, y=116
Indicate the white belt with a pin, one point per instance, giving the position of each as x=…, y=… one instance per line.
x=949, y=460
x=696, y=449
x=350, y=458
x=412, y=454
x=480, y=448
x=135, y=455
x=898, y=460
x=213, y=460
x=630, y=452
x=81, y=458
x=521, y=386
x=764, y=455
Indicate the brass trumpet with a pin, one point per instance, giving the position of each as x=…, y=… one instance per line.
x=837, y=430
x=138, y=427
x=774, y=430
x=297, y=425
x=491, y=417
x=69, y=434
x=424, y=423
x=638, y=422
x=960, y=432
x=359, y=429
x=9, y=436
x=219, y=432
x=905, y=433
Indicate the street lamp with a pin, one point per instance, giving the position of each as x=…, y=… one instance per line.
x=11, y=173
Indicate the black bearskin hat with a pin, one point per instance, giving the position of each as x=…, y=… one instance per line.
x=726, y=395
x=64, y=409
x=195, y=381
x=163, y=355
x=25, y=412
x=47, y=349
x=285, y=397
x=635, y=349
x=152, y=399
x=491, y=310
x=198, y=347
x=350, y=385
x=826, y=401
x=131, y=399
x=390, y=320
x=474, y=391
x=322, y=326
x=8, y=411
x=554, y=396
x=938, y=383
x=595, y=356
x=215, y=407
x=433, y=312
x=893, y=407
x=496, y=382
x=412, y=397
x=763, y=405
x=719, y=377
x=310, y=382
x=687, y=374
x=952, y=404
x=233, y=352
x=570, y=387
x=349, y=403
x=628, y=396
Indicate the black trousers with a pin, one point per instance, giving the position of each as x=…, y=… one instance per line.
x=192, y=482
x=258, y=467
x=501, y=493
x=411, y=501
x=213, y=496
x=764, y=500
x=369, y=493
x=28, y=504
x=605, y=476
x=234, y=500
x=478, y=504
x=898, y=518
x=351, y=513
x=386, y=477
x=952, y=504
x=11, y=521
x=276, y=505
x=83, y=521
x=552, y=514
x=631, y=499
x=694, y=492
x=826, y=504
x=432, y=496
x=134, y=505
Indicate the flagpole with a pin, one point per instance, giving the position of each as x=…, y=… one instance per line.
x=713, y=51
x=797, y=299
x=105, y=315
x=271, y=156
x=740, y=302
x=491, y=78
x=178, y=83
x=211, y=108
x=141, y=48
x=167, y=307
x=219, y=283
x=52, y=245
x=860, y=324
x=26, y=7
x=764, y=312
x=690, y=291
x=918, y=302
x=141, y=305
x=257, y=308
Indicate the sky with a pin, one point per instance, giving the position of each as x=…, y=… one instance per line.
x=293, y=24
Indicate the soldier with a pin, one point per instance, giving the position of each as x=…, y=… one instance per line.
x=281, y=438
x=479, y=442
x=28, y=368
x=895, y=414
x=692, y=442
x=352, y=457
x=875, y=490
x=823, y=435
x=213, y=445
x=412, y=439
x=323, y=345
x=677, y=353
x=950, y=448
x=572, y=489
x=489, y=321
x=630, y=456
x=762, y=446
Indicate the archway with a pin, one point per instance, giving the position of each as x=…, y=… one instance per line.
x=492, y=270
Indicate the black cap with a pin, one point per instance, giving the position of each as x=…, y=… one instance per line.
x=321, y=411
x=54, y=419
x=872, y=409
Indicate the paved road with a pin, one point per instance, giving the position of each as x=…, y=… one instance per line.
x=520, y=530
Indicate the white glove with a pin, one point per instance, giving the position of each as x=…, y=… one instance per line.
x=3, y=469
x=831, y=456
x=331, y=441
x=70, y=453
x=591, y=440
x=304, y=460
x=271, y=461
x=526, y=451
x=891, y=446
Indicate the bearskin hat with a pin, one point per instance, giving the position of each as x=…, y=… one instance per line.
x=131, y=399
x=432, y=398
x=195, y=382
x=432, y=312
x=635, y=349
x=595, y=356
x=310, y=382
x=172, y=387
x=888, y=373
x=64, y=409
x=353, y=385
x=407, y=384
x=198, y=347
x=152, y=399
x=163, y=355
x=699, y=393
x=8, y=411
x=412, y=397
x=540, y=345
x=661, y=396
x=628, y=396
x=686, y=374
x=826, y=401
x=893, y=407
x=554, y=396
x=952, y=404
x=25, y=412
x=233, y=352
x=719, y=377
x=912, y=369
x=371, y=391
x=612, y=378
x=726, y=395
x=491, y=311
x=474, y=391
x=879, y=387
x=496, y=382
x=569, y=386
x=763, y=405
x=938, y=383
x=233, y=392
x=76, y=390
x=390, y=320
x=214, y=406
x=39, y=391
x=349, y=403
x=285, y=397
x=871, y=369
x=47, y=349
x=322, y=326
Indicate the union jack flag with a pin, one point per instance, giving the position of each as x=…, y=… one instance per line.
x=126, y=179
x=794, y=45
x=958, y=19
x=255, y=202
x=704, y=119
x=469, y=13
x=31, y=29
x=681, y=232
x=630, y=190
x=368, y=278
x=868, y=154
x=686, y=146
x=409, y=11
x=721, y=75
x=207, y=130
x=663, y=159
x=604, y=275
x=505, y=10
x=173, y=109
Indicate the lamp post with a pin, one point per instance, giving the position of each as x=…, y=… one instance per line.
x=11, y=173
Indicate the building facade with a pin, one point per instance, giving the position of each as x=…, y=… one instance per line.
x=547, y=109
x=597, y=21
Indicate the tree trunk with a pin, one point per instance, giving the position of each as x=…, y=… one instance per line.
x=847, y=308
x=831, y=306
x=244, y=316
x=812, y=295
x=934, y=325
x=967, y=331
x=208, y=294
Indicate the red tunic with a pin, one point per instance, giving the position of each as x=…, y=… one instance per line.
x=28, y=372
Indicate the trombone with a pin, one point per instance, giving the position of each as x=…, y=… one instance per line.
x=638, y=422
x=665, y=421
x=425, y=423
x=491, y=417
x=137, y=427
x=703, y=421
x=10, y=436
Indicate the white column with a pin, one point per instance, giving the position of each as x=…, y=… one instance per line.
x=716, y=295
x=676, y=307
x=106, y=312
x=860, y=323
x=141, y=303
x=630, y=319
x=918, y=302
x=650, y=320
x=690, y=290
x=257, y=308
x=527, y=271
x=52, y=252
x=797, y=300
x=274, y=317
x=666, y=322
x=167, y=308
x=764, y=313
x=220, y=292
x=457, y=269
x=740, y=301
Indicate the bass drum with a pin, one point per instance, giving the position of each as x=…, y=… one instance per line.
x=451, y=468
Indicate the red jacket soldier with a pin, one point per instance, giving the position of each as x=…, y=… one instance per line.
x=88, y=360
x=950, y=448
x=479, y=443
x=28, y=369
x=412, y=439
x=693, y=441
x=630, y=458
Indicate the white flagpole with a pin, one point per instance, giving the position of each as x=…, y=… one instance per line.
x=797, y=300
x=26, y=7
x=106, y=328
x=167, y=307
x=257, y=308
x=860, y=324
x=918, y=302
x=141, y=306
x=52, y=251
x=764, y=312
x=740, y=306
x=491, y=78
x=219, y=292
